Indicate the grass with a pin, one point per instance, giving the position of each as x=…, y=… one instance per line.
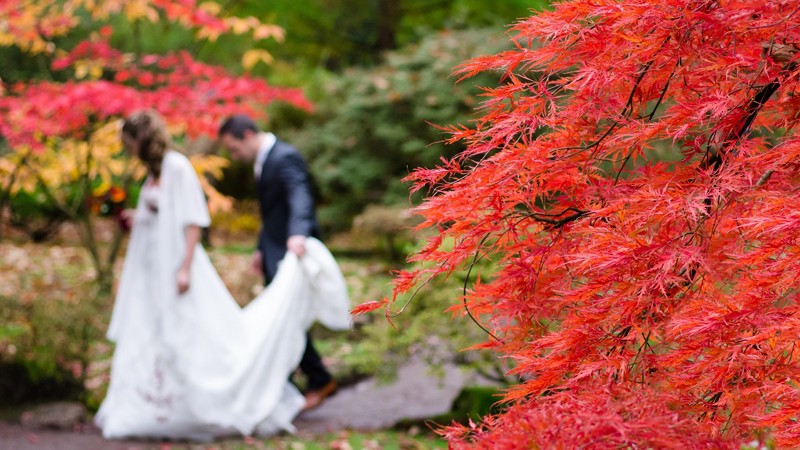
x=351, y=440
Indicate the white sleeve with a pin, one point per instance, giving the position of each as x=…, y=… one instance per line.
x=190, y=201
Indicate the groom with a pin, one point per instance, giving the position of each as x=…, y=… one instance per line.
x=287, y=219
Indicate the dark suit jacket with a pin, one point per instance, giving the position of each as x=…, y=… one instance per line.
x=287, y=206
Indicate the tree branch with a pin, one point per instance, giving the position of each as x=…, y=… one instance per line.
x=5, y=195
x=753, y=108
x=557, y=223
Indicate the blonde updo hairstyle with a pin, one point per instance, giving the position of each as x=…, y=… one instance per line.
x=147, y=129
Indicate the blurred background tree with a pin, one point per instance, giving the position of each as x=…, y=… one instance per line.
x=377, y=71
x=339, y=34
x=376, y=104
x=374, y=125
x=65, y=86
x=59, y=136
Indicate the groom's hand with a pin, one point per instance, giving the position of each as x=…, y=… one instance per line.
x=297, y=245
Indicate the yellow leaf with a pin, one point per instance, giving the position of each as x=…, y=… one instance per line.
x=208, y=33
x=212, y=8
x=103, y=9
x=209, y=164
x=95, y=71
x=252, y=57
x=108, y=135
x=212, y=165
x=40, y=46
x=101, y=189
x=81, y=69
x=140, y=9
x=238, y=26
x=6, y=166
x=264, y=31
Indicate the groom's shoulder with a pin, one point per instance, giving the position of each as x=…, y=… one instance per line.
x=284, y=149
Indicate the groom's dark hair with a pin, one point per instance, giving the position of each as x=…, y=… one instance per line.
x=236, y=125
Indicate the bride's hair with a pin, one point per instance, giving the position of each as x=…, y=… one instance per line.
x=148, y=130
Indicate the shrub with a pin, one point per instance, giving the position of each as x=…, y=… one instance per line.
x=372, y=124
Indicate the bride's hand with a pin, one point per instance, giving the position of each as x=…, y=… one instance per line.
x=183, y=280
x=126, y=218
x=256, y=262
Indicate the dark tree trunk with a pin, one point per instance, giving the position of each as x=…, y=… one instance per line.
x=390, y=12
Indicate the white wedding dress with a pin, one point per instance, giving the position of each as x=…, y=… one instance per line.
x=197, y=366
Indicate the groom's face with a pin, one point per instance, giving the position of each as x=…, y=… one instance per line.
x=239, y=148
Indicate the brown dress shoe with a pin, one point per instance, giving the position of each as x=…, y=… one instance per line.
x=316, y=397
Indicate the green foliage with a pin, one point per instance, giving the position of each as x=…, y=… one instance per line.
x=20, y=382
x=52, y=315
x=373, y=126
x=472, y=403
x=44, y=347
x=21, y=67
x=242, y=220
x=35, y=215
x=337, y=34
x=391, y=226
x=417, y=438
x=424, y=329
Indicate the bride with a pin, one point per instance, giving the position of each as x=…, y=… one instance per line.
x=189, y=362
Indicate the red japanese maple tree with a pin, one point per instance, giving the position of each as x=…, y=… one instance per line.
x=636, y=181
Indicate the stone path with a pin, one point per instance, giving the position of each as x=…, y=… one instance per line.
x=364, y=406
